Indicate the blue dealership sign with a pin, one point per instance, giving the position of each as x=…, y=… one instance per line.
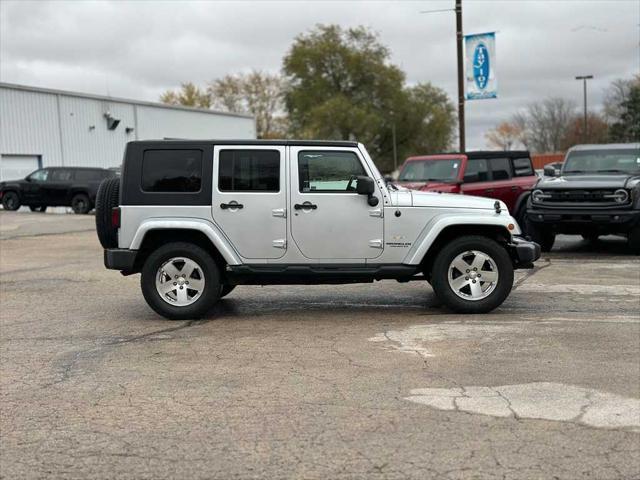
x=481, y=81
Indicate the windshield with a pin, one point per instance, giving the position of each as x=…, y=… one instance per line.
x=430, y=170
x=603, y=161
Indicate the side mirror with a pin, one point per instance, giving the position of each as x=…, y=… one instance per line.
x=471, y=178
x=365, y=186
x=549, y=171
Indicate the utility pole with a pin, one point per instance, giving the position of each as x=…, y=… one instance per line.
x=459, y=40
x=395, y=151
x=584, y=79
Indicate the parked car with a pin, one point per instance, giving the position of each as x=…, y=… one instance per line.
x=596, y=193
x=295, y=212
x=506, y=176
x=55, y=187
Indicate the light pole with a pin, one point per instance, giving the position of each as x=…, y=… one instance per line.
x=459, y=48
x=584, y=79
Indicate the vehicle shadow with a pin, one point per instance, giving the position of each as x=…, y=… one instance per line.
x=575, y=244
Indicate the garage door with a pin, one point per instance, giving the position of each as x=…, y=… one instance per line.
x=13, y=167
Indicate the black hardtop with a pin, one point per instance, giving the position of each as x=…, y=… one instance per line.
x=498, y=154
x=293, y=143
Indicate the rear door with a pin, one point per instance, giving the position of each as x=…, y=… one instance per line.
x=329, y=220
x=502, y=187
x=249, y=199
x=57, y=187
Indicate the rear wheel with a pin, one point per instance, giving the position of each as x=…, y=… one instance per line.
x=180, y=281
x=472, y=274
x=80, y=203
x=542, y=235
x=107, y=198
x=11, y=201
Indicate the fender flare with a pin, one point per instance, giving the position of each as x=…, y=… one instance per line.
x=437, y=225
x=521, y=202
x=214, y=235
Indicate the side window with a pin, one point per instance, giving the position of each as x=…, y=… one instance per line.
x=500, y=169
x=39, y=176
x=88, y=175
x=477, y=171
x=249, y=171
x=172, y=170
x=60, y=175
x=327, y=171
x=522, y=167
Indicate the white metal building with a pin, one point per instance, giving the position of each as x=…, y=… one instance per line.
x=43, y=128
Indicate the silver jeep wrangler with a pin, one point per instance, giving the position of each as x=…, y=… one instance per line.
x=197, y=218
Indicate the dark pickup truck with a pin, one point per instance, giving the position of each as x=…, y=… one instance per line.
x=596, y=193
x=73, y=187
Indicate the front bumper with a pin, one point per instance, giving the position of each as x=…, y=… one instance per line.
x=523, y=252
x=120, y=259
x=575, y=220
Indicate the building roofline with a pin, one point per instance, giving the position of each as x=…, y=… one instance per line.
x=104, y=98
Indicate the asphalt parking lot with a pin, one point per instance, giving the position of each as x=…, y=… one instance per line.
x=363, y=381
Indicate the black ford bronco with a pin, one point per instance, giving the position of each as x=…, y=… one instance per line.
x=596, y=193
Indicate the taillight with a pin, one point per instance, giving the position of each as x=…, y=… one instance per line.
x=115, y=217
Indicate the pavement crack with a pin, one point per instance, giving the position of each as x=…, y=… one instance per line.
x=531, y=273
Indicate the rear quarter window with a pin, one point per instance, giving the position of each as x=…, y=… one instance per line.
x=172, y=171
x=522, y=167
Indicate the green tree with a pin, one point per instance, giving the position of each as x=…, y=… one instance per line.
x=188, y=95
x=341, y=85
x=626, y=128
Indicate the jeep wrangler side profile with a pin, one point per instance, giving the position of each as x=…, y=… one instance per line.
x=197, y=218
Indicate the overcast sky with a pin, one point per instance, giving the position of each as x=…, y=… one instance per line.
x=138, y=49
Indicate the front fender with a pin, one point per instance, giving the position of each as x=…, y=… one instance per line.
x=209, y=229
x=438, y=223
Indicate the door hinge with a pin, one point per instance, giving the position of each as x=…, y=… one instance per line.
x=279, y=212
x=375, y=213
x=377, y=243
x=279, y=243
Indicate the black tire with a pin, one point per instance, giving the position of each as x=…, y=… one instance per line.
x=226, y=289
x=108, y=197
x=11, y=201
x=521, y=218
x=80, y=204
x=633, y=241
x=440, y=272
x=543, y=236
x=209, y=296
x=39, y=208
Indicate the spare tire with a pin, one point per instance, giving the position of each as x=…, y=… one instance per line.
x=108, y=197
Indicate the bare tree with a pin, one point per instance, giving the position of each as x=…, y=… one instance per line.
x=615, y=96
x=547, y=123
x=258, y=93
x=505, y=135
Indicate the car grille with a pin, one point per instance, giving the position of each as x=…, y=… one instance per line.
x=566, y=197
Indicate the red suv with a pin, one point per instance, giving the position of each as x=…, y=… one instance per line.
x=506, y=176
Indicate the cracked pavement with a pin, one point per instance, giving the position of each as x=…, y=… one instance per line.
x=356, y=381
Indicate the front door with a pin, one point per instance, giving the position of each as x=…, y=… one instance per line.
x=329, y=220
x=249, y=199
x=33, y=191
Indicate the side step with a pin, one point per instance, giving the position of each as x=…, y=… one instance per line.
x=271, y=274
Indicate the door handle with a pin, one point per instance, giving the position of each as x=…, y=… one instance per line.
x=489, y=190
x=514, y=189
x=305, y=205
x=224, y=206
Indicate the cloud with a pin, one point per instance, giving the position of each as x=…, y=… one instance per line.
x=139, y=49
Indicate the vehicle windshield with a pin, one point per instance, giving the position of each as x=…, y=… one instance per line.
x=602, y=161
x=430, y=170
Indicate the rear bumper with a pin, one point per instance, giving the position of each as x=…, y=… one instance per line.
x=523, y=252
x=120, y=259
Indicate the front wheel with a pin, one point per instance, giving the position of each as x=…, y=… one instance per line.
x=542, y=235
x=180, y=281
x=634, y=240
x=472, y=274
x=11, y=201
